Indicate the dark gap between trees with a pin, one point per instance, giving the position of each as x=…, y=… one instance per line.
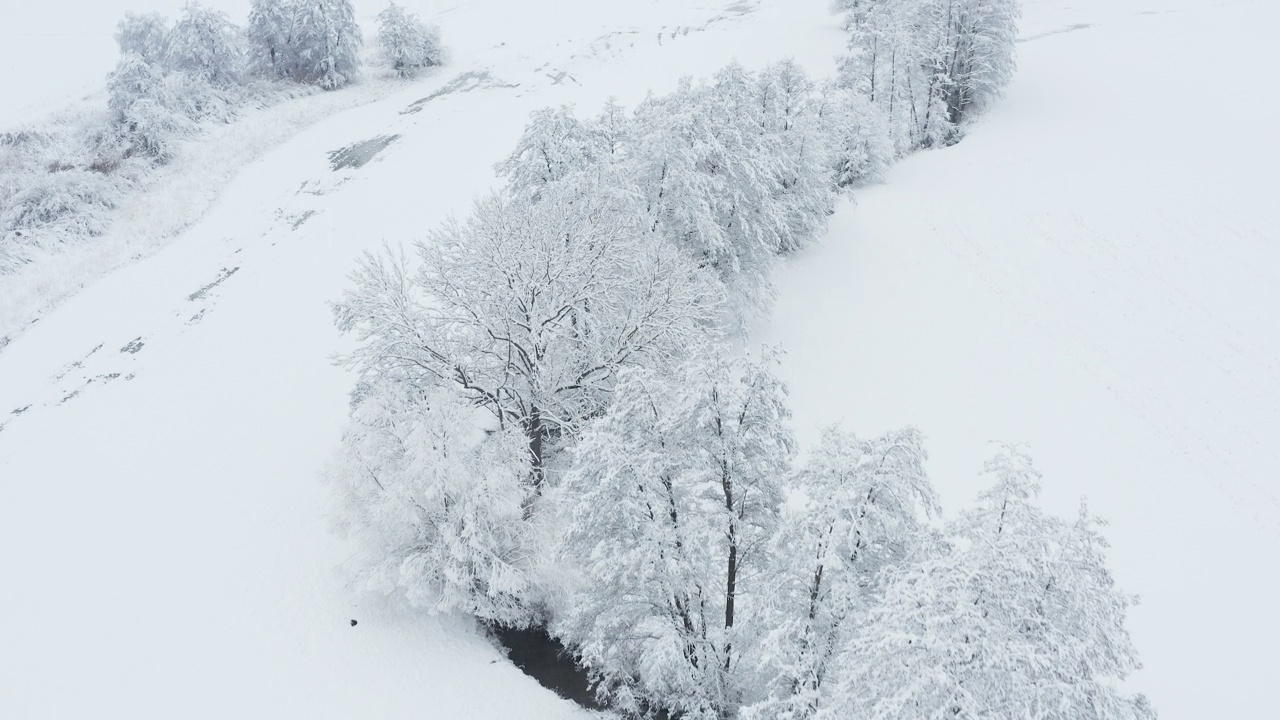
x=546, y=660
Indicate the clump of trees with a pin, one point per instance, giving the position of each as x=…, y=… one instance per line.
x=735, y=172
x=555, y=426
x=929, y=64
x=406, y=43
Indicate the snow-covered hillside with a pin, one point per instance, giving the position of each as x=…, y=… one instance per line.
x=1090, y=270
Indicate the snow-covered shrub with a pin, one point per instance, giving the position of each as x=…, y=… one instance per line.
x=145, y=107
x=324, y=43
x=406, y=43
x=70, y=198
x=204, y=44
x=438, y=504
x=146, y=36
x=58, y=183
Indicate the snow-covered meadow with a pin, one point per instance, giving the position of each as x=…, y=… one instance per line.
x=1076, y=273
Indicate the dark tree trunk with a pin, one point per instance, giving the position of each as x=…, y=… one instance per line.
x=537, y=436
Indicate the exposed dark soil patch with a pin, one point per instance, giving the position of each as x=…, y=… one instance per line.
x=223, y=274
x=296, y=222
x=359, y=154
x=466, y=82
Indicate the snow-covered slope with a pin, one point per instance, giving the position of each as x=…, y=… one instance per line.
x=1093, y=271
x=1089, y=271
x=164, y=546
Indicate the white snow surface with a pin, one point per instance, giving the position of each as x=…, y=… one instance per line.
x=1091, y=271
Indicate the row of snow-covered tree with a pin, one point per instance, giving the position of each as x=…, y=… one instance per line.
x=554, y=426
x=58, y=183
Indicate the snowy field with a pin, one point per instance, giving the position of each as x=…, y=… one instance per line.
x=1091, y=271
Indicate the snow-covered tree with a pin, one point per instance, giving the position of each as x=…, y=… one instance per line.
x=927, y=63
x=674, y=495
x=791, y=127
x=206, y=45
x=859, y=145
x=407, y=44
x=437, y=504
x=324, y=43
x=555, y=145
x=145, y=35
x=733, y=172
x=706, y=191
x=530, y=309
x=865, y=507
x=268, y=37
x=1018, y=617
x=142, y=100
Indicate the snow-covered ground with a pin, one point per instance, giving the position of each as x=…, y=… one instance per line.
x=1089, y=271
x=1093, y=271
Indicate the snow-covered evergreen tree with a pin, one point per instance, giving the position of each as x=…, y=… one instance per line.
x=866, y=503
x=324, y=43
x=530, y=309
x=438, y=504
x=145, y=35
x=674, y=495
x=268, y=37
x=407, y=44
x=207, y=46
x=1017, y=617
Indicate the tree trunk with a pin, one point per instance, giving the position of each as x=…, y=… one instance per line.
x=536, y=433
x=731, y=584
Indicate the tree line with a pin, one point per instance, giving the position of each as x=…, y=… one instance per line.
x=555, y=425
